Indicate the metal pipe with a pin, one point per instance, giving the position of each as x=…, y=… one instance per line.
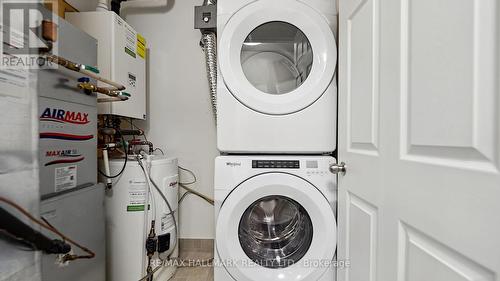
x=206, y=22
x=118, y=86
x=142, y=142
x=131, y=132
x=209, y=41
x=102, y=100
x=102, y=5
x=84, y=69
x=142, y=4
x=107, y=131
x=111, y=92
x=209, y=45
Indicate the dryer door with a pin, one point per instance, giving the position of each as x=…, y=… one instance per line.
x=276, y=221
x=277, y=57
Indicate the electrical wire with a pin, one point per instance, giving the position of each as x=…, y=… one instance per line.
x=152, y=197
x=159, y=149
x=202, y=196
x=151, y=194
x=185, y=194
x=147, y=175
x=147, y=204
x=192, y=174
x=183, y=197
x=171, y=212
x=152, y=272
x=189, y=190
x=124, y=164
x=90, y=253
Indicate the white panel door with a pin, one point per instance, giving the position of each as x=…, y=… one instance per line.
x=419, y=129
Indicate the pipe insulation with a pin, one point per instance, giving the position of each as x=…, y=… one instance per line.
x=102, y=5
x=209, y=43
x=131, y=4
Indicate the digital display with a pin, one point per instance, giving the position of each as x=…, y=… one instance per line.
x=312, y=164
x=275, y=164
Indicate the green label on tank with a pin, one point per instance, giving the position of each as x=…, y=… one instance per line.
x=130, y=52
x=135, y=208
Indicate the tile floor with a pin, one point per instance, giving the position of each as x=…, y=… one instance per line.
x=195, y=250
x=194, y=274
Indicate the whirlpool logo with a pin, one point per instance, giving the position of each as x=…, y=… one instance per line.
x=233, y=164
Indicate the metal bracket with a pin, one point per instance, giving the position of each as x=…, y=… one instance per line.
x=205, y=18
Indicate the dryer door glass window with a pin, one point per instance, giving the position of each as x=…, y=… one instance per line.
x=275, y=232
x=276, y=57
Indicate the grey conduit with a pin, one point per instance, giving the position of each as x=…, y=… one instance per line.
x=209, y=41
x=209, y=2
x=209, y=45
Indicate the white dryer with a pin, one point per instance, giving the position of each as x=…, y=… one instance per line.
x=276, y=88
x=275, y=218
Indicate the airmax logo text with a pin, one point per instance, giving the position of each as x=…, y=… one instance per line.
x=62, y=153
x=64, y=116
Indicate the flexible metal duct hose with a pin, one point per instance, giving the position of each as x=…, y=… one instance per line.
x=209, y=2
x=209, y=41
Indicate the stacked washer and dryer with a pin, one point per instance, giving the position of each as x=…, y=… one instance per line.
x=275, y=198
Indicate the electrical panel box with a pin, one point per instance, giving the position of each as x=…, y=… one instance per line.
x=121, y=58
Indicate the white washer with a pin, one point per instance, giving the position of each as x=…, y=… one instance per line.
x=275, y=218
x=277, y=88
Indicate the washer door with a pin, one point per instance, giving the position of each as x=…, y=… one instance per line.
x=276, y=221
x=277, y=57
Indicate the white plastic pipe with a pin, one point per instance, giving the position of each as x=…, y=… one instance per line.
x=107, y=171
x=142, y=4
x=102, y=5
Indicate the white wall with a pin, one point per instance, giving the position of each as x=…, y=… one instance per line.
x=83, y=5
x=180, y=116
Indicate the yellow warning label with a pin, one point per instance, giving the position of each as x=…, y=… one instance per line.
x=141, y=52
x=141, y=39
x=141, y=46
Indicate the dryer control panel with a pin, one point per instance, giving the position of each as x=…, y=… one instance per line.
x=276, y=164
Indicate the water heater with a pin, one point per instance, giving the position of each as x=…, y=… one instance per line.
x=127, y=224
x=121, y=57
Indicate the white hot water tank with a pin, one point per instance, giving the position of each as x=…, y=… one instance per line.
x=127, y=225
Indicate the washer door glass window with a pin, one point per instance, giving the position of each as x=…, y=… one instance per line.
x=275, y=232
x=276, y=57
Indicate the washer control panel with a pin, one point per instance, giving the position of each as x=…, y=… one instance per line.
x=317, y=173
x=276, y=164
x=313, y=169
